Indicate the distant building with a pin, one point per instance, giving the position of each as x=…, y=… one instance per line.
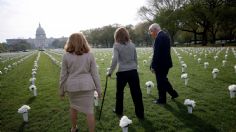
x=40, y=38
x=40, y=41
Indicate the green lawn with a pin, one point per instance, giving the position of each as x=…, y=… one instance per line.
x=214, y=111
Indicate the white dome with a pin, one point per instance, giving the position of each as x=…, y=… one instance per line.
x=40, y=30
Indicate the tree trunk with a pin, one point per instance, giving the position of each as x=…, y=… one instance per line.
x=171, y=40
x=195, y=37
x=146, y=41
x=107, y=44
x=204, y=38
x=213, y=38
x=230, y=35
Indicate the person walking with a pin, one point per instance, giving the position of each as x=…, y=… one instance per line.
x=125, y=56
x=79, y=79
x=161, y=63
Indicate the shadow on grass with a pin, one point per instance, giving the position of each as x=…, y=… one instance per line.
x=194, y=89
x=30, y=100
x=190, y=120
x=226, y=80
x=22, y=126
x=147, y=125
x=152, y=96
x=97, y=112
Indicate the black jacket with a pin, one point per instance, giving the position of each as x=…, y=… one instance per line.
x=161, y=55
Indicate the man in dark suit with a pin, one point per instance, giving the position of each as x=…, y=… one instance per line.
x=161, y=63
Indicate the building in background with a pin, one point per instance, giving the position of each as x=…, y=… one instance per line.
x=40, y=38
x=39, y=42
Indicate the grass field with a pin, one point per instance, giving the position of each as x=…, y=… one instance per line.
x=214, y=111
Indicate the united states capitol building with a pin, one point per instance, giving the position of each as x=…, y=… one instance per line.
x=39, y=42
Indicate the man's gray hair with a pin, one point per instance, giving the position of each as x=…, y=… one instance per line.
x=154, y=27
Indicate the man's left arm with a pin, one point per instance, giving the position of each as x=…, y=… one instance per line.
x=154, y=56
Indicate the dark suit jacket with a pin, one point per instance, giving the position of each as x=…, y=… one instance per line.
x=161, y=55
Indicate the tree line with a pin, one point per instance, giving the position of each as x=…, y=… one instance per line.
x=186, y=21
x=20, y=46
x=198, y=20
x=104, y=36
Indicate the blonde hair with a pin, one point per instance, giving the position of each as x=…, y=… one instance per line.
x=77, y=44
x=121, y=35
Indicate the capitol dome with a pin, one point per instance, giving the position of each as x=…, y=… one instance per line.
x=40, y=39
x=40, y=30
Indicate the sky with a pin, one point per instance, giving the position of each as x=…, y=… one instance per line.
x=20, y=18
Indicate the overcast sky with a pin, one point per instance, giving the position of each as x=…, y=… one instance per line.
x=20, y=18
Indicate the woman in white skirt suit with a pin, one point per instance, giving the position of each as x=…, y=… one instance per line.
x=79, y=79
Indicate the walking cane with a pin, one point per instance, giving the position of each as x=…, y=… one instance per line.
x=103, y=98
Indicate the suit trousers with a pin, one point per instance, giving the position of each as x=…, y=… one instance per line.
x=163, y=85
x=131, y=77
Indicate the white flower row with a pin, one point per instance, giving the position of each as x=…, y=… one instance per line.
x=4, y=57
x=32, y=87
x=14, y=64
x=54, y=61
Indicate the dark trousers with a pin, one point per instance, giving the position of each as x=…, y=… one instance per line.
x=163, y=85
x=131, y=77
